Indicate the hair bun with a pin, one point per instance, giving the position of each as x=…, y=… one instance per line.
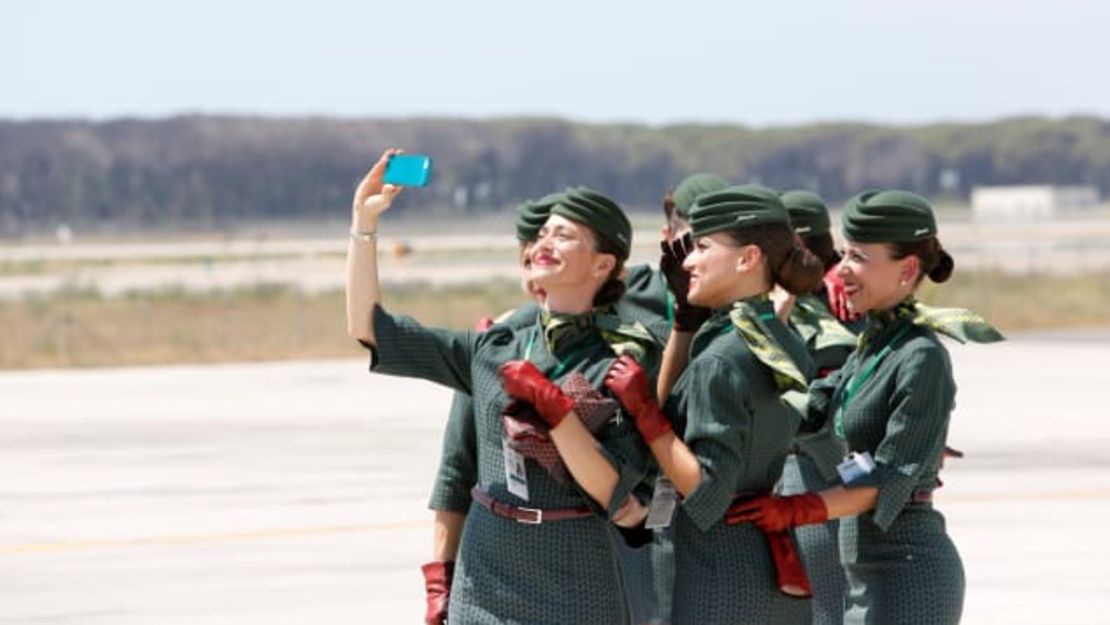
x=944, y=267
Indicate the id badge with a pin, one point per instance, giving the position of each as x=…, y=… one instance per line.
x=516, y=474
x=855, y=466
x=663, y=502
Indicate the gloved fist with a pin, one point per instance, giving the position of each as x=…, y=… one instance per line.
x=775, y=514
x=437, y=590
x=687, y=317
x=522, y=380
x=629, y=383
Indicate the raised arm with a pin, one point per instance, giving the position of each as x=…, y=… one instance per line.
x=372, y=198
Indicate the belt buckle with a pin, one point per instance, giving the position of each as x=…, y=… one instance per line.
x=537, y=516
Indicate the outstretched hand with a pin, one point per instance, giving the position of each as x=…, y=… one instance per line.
x=373, y=197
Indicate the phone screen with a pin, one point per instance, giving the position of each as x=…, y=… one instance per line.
x=409, y=170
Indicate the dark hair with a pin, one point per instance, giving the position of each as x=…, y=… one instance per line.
x=935, y=262
x=613, y=289
x=789, y=263
x=823, y=248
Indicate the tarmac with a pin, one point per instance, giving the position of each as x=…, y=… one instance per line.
x=295, y=492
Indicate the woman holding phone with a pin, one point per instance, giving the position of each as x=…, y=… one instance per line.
x=731, y=426
x=457, y=473
x=890, y=403
x=536, y=547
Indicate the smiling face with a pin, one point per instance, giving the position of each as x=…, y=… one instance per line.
x=873, y=279
x=564, y=256
x=717, y=267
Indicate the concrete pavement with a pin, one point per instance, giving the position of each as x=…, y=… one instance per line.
x=294, y=492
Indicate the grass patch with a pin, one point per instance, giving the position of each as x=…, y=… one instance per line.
x=79, y=328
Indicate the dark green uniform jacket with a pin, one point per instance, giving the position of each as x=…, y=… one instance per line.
x=509, y=572
x=647, y=301
x=728, y=410
x=901, y=565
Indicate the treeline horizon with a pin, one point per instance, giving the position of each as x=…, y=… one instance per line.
x=209, y=171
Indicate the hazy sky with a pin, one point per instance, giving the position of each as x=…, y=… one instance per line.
x=765, y=63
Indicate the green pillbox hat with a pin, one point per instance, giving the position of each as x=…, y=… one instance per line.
x=808, y=214
x=888, y=217
x=532, y=214
x=591, y=208
x=691, y=187
x=736, y=207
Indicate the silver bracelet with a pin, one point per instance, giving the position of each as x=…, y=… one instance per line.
x=364, y=236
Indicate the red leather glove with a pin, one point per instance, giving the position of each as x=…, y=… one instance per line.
x=524, y=381
x=629, y=382
x=838, y=299
x=437, y=590
x=775, y=514
x=687, y=317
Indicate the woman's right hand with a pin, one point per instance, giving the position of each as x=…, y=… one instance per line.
x=373, y=197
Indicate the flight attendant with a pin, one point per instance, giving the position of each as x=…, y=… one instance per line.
x=891, y=404
x=731, y=427
x=537, y=547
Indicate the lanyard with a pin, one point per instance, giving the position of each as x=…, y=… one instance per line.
x=859, y=378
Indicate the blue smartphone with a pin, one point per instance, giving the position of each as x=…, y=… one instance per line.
x=408, y=170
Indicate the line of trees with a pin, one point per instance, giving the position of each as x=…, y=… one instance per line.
x=208, y=171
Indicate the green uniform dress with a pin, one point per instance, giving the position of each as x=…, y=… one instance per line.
x=510, y=572
x=811, y=466
x=901, y=565
x=458, y=462
x=728, y=410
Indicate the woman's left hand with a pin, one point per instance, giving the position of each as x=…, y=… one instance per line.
x=373, y=197
x=629, y=382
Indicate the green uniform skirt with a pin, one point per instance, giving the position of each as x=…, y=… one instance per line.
x=909, y=575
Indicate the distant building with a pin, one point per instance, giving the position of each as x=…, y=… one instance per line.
x=1031, y=203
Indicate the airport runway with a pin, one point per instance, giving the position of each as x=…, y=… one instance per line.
x=294, y=492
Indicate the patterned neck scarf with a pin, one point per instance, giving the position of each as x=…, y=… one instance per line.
x=562, y=330
x=957, y=323
x=749, y=317
x=816, y=325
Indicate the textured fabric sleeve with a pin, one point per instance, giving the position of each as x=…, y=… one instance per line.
x=458, y=462
x=406, y=348
x=623, y=447
x=915, y=433
x=818, y=408
x=718, y=423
